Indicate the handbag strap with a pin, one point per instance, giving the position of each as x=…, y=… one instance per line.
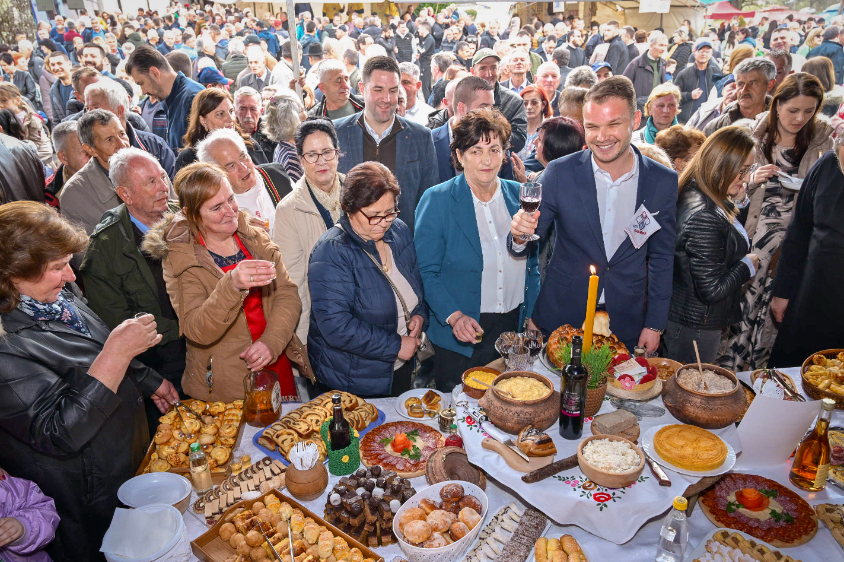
x=390, y=281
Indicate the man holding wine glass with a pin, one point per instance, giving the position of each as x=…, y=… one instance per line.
x=596, y=199
x=474, y=288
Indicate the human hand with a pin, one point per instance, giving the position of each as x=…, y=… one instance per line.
x=523, y=223
x=531, y=325
x=465, y=327
x=415, y=325
x=778, y=306
x=764, y=173
x=518, y=168
x=257, y=356
x=696, y=93
x=754, y=259
x=409, y=345
x=10, y=530
x=133, y=336
x=252, y=273
x=165, y=395
x=649, y=340
x=260, y=223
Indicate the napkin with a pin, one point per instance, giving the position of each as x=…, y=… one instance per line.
x=137, y=534
x=304, y=456
x=771, y=429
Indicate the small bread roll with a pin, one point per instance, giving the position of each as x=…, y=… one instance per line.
x=560, y=556
x=311, y=533
x=452, y=492
x=254, y=538
x=257, y=554
x=458, y=530
x=437, y=540
x=451, y=507
x=412, y=514
x=429, y=505
x=236, y=540
x=471, y=501
x=283, y=528
x=553, y=544
x=469, y=516
x=221, y=455
x=569, y=544
x=574, y=557
x=417, y=531
x=226, y=531
x=540, y=549
x=258, y=506
x=266, y=515
x=210, y=429
x=243, y=548
x=163, y=436
x=440, y=520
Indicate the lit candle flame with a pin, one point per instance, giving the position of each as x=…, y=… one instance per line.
x=592, y=269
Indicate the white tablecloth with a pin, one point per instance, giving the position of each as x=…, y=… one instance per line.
x=641, y=548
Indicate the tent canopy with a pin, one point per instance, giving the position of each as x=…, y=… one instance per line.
x=725, y=11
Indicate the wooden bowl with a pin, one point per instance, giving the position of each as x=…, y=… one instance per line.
x=476, y=393
x=664, y=362
x=513, y=415
x=709, y=411
x=308, y=484
x=812, y=390
x=610, y=479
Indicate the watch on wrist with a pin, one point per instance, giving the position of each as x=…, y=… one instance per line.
x=660, y=332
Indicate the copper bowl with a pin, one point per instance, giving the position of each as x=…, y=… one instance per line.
x=472, y=392
x=709, y=411
x=512, y=415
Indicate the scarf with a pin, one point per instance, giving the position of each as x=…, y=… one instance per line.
x=651, y=130
x=61, y=311
x=330, y=200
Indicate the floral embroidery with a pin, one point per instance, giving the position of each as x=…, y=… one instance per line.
x=602, y=496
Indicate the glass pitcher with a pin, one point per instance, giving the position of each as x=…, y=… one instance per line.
x=263, y=398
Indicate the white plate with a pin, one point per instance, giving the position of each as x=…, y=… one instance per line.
x=647, y=442
x=417, y=393
x=532, y=557
x=154, y=487
x=700, y=550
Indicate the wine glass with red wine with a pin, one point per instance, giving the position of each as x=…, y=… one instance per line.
x=530, y=196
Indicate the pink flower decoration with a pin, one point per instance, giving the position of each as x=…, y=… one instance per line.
x=627, y=384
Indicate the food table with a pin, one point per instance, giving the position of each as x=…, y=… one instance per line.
x=642, y=547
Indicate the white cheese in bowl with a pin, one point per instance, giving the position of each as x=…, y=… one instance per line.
x=611, y=456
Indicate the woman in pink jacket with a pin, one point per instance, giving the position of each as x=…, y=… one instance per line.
x=28, y=520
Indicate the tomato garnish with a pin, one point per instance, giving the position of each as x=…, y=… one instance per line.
x=401, y=442
x=751, y=499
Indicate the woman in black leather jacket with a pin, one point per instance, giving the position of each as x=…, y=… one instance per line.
x=71, y=395
x=711, y=260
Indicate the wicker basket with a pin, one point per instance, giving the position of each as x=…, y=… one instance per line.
x=595, y=399
x=813, y=391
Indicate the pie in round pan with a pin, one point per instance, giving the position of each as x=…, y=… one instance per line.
x=377, y=447
x=690, y=447
x=770, y=512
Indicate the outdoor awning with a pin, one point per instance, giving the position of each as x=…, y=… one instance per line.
x=725, y=11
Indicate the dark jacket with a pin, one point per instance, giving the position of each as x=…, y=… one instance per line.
x=178, y=105
x=708, y=271
x=27, y=86
x=65, y=430
x=835, y=53
x=234, y=66
x=488, y=41
x=58, y=106
x=681, y=55
x=405, y=45
x=688, y=80
x=730, y=115
x=22, y=178
x=513, y=108
x=426, y=47
x=617, y=55
x=319, y=109
x=353, y=340
x=641, y=73
x=577, y=57
x=389, y=45
x=155, y=145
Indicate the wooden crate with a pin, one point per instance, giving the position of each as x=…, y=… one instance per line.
x=211, y=548
x=218, y=475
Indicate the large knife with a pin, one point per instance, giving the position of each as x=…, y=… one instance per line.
x=658, y=473
x=494, y=433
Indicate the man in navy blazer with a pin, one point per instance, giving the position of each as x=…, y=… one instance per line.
x=591, y=197
x=378, y=134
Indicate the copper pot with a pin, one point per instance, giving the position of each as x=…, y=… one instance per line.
x=512, y=415
x=709, y=411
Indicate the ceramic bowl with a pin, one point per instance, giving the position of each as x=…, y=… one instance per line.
x=709, y=411
x=156, y=488
x=610, y=479
x=513, y=415
x=472, y=392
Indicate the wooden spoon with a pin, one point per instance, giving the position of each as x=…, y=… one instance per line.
x=501, y=390
x=699, y=366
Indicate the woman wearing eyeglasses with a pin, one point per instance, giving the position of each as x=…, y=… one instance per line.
x=711, y=255
x=789, y=140
x=538, y=109
x=476, y=289
x=367, y=306
x=311, y=208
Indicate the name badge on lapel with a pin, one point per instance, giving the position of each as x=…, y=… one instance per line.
x=642, y=226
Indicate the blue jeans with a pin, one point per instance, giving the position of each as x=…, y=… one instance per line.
x=677, y=343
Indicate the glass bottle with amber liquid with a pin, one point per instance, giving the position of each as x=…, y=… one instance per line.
x=573, y=395
x=339, y=431
x=811, y=463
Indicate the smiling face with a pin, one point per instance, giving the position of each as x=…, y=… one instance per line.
x=781, y=40
x=663, y=110
x=317, y=146
x=609, y=127
x=93, y=58
x=487, y=69
x=702, y=56
x=793, y=114
x=222, y=117
x=47, y=287
x=381, y=95
x=237, y=164
x=219, y=214
x=482, y=162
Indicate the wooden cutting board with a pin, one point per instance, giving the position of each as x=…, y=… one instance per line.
x=513, y=460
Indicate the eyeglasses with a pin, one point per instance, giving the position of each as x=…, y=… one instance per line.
x=744, y=172
x=377, y=219
x=327, y=155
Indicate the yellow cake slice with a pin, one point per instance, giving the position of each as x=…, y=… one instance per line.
x=690, y=447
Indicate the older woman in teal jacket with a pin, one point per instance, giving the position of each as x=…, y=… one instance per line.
x=473, y=285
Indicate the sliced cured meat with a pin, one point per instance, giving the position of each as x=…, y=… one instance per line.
x=374, y=452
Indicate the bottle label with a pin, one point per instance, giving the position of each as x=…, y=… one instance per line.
x=820, y=477
x=668, y=534
x=276, y=397
x=571, y=404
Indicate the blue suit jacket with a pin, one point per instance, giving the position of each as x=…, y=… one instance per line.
x=637, y=283
x=448, y=248
x=442, y=145
x=415, y=157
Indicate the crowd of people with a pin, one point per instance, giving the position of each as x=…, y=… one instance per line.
x=179, y=209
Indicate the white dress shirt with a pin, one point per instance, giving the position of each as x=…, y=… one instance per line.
x=257, y=201
x=375, y=136
x=419, y=113
x=503, y=276
x=616, y=205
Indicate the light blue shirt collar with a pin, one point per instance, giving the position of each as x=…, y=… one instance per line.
x=141, y=226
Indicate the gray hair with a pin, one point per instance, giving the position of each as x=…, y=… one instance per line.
x=120, y=170
x=582, y=76
x=89, y=120
x=329, y=65
x=236, y=46
x=282, y=114
x=248, y=91
x=168, y=33
x=200, y=44
x=764, y=66
x=203, y=149
x=113, y=92
x=410, y=69
x=62, y=132
x=655, y=36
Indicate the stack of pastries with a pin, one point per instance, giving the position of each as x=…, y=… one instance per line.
x=214, y=425
x=435, y=524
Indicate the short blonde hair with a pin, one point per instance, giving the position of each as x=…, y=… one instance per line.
x=661, y=91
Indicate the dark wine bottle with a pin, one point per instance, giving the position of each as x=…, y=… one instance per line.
x=573, y=396
x=339, y=430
